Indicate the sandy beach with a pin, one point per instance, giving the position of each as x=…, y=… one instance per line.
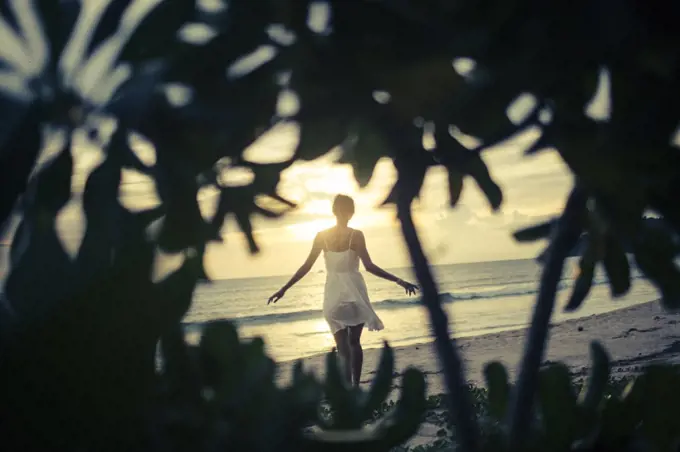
x=634, y=336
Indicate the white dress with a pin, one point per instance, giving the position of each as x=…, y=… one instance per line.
x=346, y=301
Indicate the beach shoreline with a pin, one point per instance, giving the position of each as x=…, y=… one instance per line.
x=634, y=336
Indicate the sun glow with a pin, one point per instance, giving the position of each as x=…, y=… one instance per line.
x=313, y=185
x=308, y=229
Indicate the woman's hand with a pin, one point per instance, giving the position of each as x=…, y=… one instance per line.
x=277, y=296
x=410, y=289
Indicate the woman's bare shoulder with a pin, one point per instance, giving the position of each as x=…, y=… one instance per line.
x=322, y=235
x=325, y=232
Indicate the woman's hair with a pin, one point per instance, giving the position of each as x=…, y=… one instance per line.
x=343, y=205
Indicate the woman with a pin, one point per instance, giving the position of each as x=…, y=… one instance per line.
x=346, y=305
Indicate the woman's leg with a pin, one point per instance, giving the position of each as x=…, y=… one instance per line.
x=342, y=343
x=356, y=353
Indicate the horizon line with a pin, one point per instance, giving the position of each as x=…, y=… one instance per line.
x=280, y=275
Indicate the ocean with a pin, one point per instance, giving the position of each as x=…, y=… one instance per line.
x=479, y=298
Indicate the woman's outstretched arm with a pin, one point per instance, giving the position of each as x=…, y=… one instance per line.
x=372, y=268
x=317, y=246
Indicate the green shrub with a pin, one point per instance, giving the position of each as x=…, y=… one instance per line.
x=237, y=404
x=631, y=413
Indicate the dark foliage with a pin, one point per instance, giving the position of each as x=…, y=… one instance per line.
x=80, y=333
x=600, y=413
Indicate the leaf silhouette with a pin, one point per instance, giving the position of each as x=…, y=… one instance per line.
x=50, y=189
x=175, y=292
x=455, y=186
x=535, y=232
x=17, y=159
x=58, y=20
x=183, y=226
x=593, y=392
x=363, y=154
x=131, y=101
x=108, y=24
x=659, y=268
x=497, y=383
x=338, y=394
x=157, y=30
x=584, y=280
x=478, y=170
x=319, y=137
x=7, y=13
x=380, y=388
x=412, y=173
x=617, y=267
x=557, y=404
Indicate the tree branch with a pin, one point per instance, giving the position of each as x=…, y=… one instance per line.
x=568, y=230
x=454, y=374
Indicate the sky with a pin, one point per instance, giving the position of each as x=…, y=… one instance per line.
x=534, y=188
